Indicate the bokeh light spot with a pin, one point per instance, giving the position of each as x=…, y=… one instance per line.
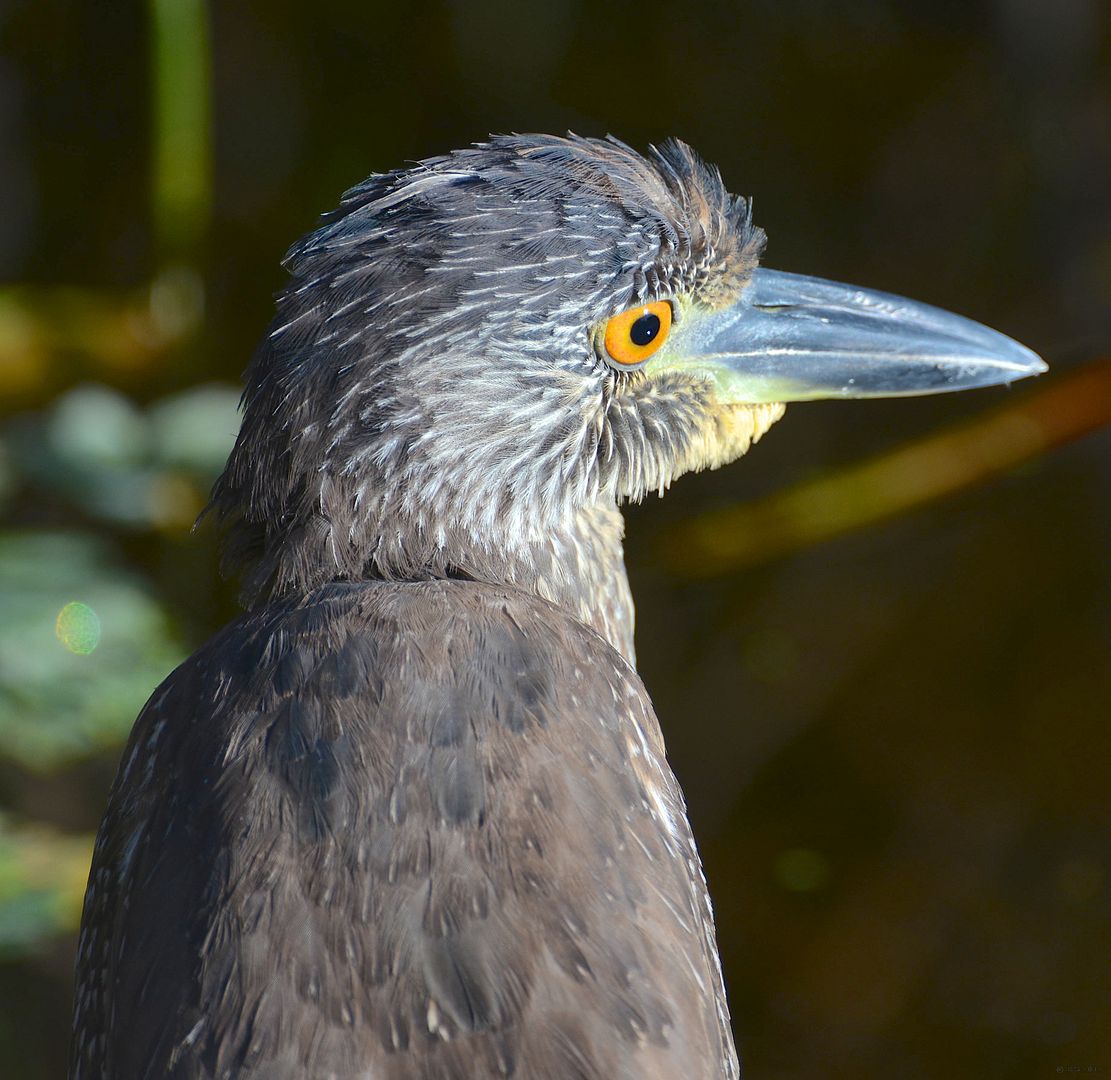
x=78, y=628
x=801, y=870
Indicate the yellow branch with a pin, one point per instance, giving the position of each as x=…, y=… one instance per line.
x=859, y=495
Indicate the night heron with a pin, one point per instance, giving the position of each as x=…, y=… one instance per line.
x=410, y=816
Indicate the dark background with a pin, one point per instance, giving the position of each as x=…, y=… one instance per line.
x=894, y=742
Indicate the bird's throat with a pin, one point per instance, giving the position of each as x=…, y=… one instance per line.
x=727, y=431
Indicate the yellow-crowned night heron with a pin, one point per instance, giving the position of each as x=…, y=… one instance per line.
x=410, y=816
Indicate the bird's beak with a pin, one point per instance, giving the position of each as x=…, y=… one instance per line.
x=796, y=338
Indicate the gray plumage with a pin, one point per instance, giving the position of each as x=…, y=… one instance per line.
x=410, y=816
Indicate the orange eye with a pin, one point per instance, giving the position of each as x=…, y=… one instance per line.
x=634, y=335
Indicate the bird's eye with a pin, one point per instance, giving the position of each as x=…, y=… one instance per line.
x=635, y=335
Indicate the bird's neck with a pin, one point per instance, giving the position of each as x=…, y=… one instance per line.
x=574, y=559
x=578, y=565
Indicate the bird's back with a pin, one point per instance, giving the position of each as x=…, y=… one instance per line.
x=420, y=830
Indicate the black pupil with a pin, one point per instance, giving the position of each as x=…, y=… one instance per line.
x=644, y=330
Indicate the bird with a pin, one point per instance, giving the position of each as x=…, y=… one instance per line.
x=410, y=816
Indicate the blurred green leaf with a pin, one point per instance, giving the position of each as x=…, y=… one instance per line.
x=195, y=430
x=93, y=427
x=58, y=702
x=42, y=883
x=142, y=469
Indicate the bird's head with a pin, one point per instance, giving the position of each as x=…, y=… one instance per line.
x=480, y=346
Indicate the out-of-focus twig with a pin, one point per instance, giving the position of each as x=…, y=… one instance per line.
x=722, y=541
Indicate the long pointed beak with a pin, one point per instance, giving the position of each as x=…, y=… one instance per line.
x=796, y=338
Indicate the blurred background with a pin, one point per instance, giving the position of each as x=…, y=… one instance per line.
x=880, y=645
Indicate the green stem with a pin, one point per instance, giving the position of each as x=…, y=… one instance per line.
x=181, y=75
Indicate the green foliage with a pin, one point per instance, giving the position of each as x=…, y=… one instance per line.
x=117, y=462
x=66, y=690
x=83, y=642
x=42, y=880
